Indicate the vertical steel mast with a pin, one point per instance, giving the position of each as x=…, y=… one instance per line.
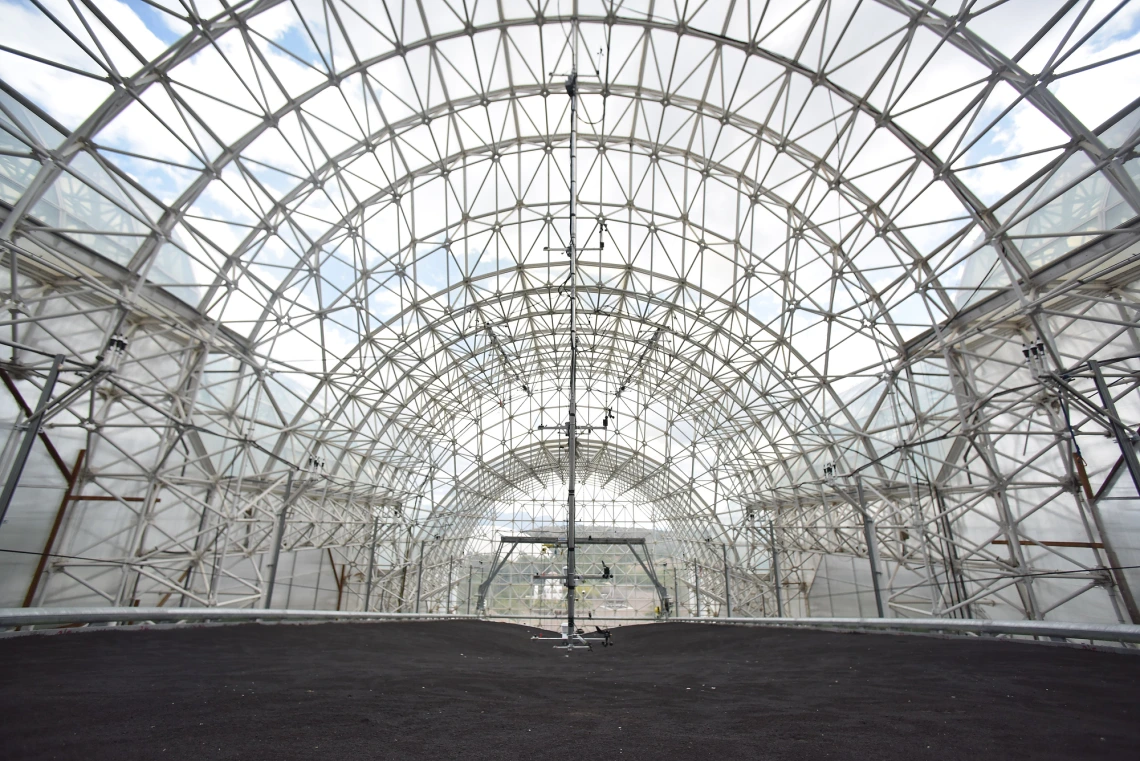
x=572, y=422
x=571, y=640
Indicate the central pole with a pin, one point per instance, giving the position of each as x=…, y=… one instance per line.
x=572, y=423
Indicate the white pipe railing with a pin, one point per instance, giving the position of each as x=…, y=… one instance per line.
x=57, y=616
x=10, y=617
x=1098, y=632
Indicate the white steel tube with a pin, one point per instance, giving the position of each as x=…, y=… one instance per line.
x=572, y=422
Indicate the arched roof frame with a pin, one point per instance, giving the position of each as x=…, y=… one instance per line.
x=490, y=149
x=238, y=18
x=689, y=365
x=234, y=20
x=536, y=458
x=438, y=297
x=393, y=191
x=745, y=346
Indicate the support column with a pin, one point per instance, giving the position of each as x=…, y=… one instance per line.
x=727, y=596
x=1128, y=452
x=31, y=432
x=776, y=570
x=872, y=547
x=278, y=537
x=676, y=595
x=447, y=603
x=697, y=585
x=420, y=575
x=371, y=563
x=1122, y=434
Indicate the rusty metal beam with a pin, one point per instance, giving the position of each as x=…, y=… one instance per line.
x=72, y=479
x=1041, y=543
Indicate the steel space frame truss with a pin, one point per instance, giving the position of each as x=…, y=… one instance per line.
x=353, y=361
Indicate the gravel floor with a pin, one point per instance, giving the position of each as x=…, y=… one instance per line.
x=474, y=690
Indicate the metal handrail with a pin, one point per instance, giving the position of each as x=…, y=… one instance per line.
x=10, y=617
x=91, y=615
x=1066, y=630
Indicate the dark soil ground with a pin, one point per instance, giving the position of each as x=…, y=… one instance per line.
x=472, y=690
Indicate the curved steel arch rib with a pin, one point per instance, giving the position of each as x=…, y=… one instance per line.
x=238, y=19
x=636, y=472
x=755, y=193
x=730, y=364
